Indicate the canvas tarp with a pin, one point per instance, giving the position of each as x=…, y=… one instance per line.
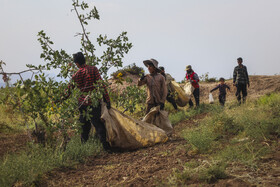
x=182, y=98
x=160, y=119
x=127, y=133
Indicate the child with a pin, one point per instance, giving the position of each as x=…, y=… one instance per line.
x=222, y=91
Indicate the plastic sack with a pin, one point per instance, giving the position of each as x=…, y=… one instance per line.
x=182, y=99
x=127, y=133
x=160, y=119
x=211, y=99
x=188, y=88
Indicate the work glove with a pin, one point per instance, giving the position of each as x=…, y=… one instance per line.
x=191, y=81
x=108, y=106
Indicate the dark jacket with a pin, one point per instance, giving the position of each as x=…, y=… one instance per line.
x=240, y=75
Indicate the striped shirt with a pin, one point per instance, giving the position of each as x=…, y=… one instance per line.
x=240, y=75
x=85, y=78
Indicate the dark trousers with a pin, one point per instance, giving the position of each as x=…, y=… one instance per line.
x=222, y=99
x=171, y=100
x=196, y=97
x=241, y=88
x=97, y=123
x=150, y=106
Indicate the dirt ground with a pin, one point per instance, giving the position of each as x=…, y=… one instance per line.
x=153, y=165
x=11, y=143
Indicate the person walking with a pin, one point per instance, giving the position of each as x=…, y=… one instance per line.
x=85, y=79
x=194, y=79
x=168, y=79
x=241, y=80
x=156, y=88
x=222, y=91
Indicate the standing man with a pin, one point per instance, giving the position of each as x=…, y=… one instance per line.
x=241, y=80
x=194, y=79
x=168, y=79
x=156, y=88
x=85, y=79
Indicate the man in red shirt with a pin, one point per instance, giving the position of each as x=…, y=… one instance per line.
x=194, y=79
x=85, y=79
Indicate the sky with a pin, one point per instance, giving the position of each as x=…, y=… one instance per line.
x=207, y=34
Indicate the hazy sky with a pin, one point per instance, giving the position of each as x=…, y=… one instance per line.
x=208, y=34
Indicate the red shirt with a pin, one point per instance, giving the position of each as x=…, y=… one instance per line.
x=195, y=79
x=85, y=78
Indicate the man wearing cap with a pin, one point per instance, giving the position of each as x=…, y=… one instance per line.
x=168, y=79
x=241, y=80
x=194, y=79
x=156, y=88
x=84, y=80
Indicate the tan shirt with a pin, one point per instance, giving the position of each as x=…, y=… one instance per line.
x=156, y=88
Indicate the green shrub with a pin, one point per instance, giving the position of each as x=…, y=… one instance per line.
x=178, y=117
x=200, y=139
x=132, y=69
x=28, y=165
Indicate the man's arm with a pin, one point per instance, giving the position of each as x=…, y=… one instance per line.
x=234, y=75
x=247, y=76
x=142, y=81
x=195, y=78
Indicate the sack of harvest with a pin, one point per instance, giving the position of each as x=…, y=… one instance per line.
x=182, y=98
x=127, y=133
x=188, y=88
x=211, y=99
x=160, y=119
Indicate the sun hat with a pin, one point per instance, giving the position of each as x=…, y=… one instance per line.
x=188, y=67
x=153, y=62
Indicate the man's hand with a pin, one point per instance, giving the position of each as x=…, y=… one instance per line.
x=234, y=84
x=142, y=77
x=248, y=85
x=191, y=81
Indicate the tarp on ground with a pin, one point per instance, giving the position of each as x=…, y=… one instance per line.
x=160, y=119
x=127, y=133
x=182, y=98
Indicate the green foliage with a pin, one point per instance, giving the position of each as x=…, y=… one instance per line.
x=201, y=139
x=205, y=78
x=192, y=171
x=39, y=98
x=27, y=166
x=132, y=69
x=178, y=117
x=245, y=152
x=131, y=98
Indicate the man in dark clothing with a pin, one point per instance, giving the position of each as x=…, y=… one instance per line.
x=222, y=91
x=168, y=79
x=85, y=79
x=194, y=79
x=241, y=80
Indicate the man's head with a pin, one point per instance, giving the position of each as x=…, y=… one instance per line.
x=162, y=69
x=222, y=80
x=152, y=65
x=239, y=61
x=79, y=58
x=189, y=69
